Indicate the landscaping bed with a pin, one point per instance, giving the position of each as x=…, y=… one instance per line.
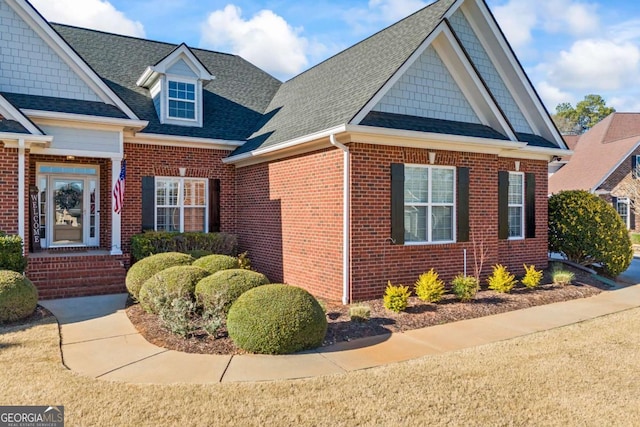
x=382, y=321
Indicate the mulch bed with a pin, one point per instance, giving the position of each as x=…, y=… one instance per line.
x=418, y=315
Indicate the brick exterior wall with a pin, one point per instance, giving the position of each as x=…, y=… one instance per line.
x=9, y=193
x=374, y=260
x=289, y=219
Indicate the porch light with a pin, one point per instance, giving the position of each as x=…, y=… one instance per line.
x=71, y=157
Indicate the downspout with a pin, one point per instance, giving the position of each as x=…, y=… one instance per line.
x=21, y=190
x=346, y=219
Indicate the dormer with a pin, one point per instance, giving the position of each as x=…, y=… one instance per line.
x=175, y=84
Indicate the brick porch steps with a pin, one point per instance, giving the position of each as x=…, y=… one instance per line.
x=73, y=274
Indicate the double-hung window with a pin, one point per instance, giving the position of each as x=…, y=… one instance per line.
x=181, y=204
x=516, y=205
x=429, y=204
x=182, y=100
x=622, y=206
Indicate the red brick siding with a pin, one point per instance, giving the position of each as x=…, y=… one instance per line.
x=374, y=260
x=9, y=193
x=289, y=218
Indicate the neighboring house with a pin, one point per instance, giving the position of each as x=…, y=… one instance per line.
x=604, y=162
x=558, y=162
x=390, y=158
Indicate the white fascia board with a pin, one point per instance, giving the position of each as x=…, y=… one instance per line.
x=76, y=153
x=147, y=78
x=191, y=60
x=10, y=112
x=183, y=141
x=68, y=55
x=85, y=119
x=11, y=140
x=286, y=145
x=616, y=166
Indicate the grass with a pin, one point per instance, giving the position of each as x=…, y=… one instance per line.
x=582, y=375
x=635, y=238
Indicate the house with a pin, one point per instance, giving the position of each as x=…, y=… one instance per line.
x=404, y=152
x=604, y=162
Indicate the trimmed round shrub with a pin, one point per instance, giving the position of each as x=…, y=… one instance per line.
x=169, y=284
x=18, y=296
x=587, y=230
x=222, y=289
x=214, y=263
x=142, y=270
x=276, y=319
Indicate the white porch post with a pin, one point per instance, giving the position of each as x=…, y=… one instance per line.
x=116, y=230
x=21, y=190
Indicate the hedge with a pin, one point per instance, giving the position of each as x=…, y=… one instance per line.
x=155, y=242
x=11, y=257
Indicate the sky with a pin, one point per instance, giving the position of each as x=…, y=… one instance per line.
x=568, y=48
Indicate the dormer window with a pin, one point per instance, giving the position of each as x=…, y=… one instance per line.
x=175, y=85
x=182, y=100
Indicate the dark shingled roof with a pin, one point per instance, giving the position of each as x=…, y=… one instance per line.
x=63, y=105
x=535, y=140
x=333, y=92
x=233, y=103
x=424, y=124
x=12, y=126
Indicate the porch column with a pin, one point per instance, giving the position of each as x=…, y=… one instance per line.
x=116, y=238
x=21, y=190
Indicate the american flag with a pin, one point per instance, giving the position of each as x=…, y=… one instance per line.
x=118, y=189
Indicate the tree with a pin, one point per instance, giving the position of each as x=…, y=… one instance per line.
x=583, y=117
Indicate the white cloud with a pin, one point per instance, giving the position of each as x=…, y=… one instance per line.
x=266, y=39
x=552, y=96
x=596, y=65
x=96, y=14
x=379, y=13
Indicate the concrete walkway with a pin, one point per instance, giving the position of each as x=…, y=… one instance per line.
x=99, y=341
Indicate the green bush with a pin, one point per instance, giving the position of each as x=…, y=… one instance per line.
x=359, y=313
x=561, y=276
x=429, y=288
x=222, y=288
x=587, y=230
x=215, y=263
x=532, y=276
x=181, y=318
x=18, y=296
x=171, y=283
x=11, y=257
x=501, y=280
x=142, y=270
x=276, y=319
x=396, y=297
x=156, y=242
x=465, y=287
x=199, y=253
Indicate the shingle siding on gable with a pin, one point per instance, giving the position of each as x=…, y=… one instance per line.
x=427, y=89
x=181, y=68
x=488, y=72
x=31, y=67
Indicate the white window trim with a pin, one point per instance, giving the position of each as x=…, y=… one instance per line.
x=518, y=205
x=429, y=205
x=180, y=121
x=625, y=201
x=180, y=203
x=194, y=102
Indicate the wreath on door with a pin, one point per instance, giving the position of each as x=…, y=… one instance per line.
x=68, y=197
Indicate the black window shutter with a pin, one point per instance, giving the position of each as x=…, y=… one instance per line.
x=632, y=217
x=614, y=202
x=503, y=205
x=463, y=204
x=397, y=203
x=214, y=205
x=148, y=203
x=530, y=206
x=634, y=166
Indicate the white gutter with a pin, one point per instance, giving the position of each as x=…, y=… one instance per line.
x=346, y=219
x=85, y=118
x=21, y=190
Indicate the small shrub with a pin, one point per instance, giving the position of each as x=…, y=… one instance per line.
x=169, y=284
x=359, y=313
x=222, y=288
x=11, y=257
x=178, y=316
x=429, y=288
x=396, y=297
x=532, y=276
x=156, y=242
x=501, y=280
x=18, y=296
x=243, y=261
x=143, y=270
x=215, y=263
x=212, y=321
x=561, y=276
x=465, y=287
x=276, y=319
x=199, y=253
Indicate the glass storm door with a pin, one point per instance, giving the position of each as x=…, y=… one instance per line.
x=68, y=204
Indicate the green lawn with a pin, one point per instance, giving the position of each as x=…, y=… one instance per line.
x=581, y=375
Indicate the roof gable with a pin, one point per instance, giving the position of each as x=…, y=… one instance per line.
x=180, y=61
x=14, y=121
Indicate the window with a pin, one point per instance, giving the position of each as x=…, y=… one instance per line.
x=429, y=204
x=182, y=100
x=181, y=204
x=516, y=205
x=622, y=206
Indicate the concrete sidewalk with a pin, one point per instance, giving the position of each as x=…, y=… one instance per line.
x=99, y=341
